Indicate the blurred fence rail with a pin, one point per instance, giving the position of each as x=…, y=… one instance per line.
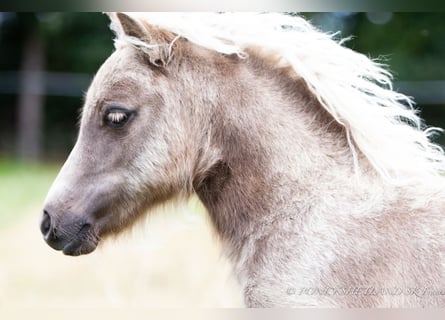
x=54, y=83
x=70, y=84
x=41, y=85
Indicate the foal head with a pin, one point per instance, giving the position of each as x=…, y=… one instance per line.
x=135, y=146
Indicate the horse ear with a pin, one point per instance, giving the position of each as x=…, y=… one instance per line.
x=155, y=42
x=130, y=26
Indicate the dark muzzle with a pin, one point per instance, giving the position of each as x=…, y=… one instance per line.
x=73, y=238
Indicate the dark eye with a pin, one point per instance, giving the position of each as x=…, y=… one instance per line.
x=117, y=117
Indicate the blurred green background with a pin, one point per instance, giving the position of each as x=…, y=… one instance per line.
x=46, y=63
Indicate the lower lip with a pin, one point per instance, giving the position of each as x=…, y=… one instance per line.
x=77, y=248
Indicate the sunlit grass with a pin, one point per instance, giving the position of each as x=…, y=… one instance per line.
x=22, y=185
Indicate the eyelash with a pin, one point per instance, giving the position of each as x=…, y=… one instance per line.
x=117, y=117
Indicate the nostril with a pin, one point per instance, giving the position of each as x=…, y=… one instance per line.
x=45, y=225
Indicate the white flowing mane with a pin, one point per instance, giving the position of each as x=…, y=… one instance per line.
x=356, y=91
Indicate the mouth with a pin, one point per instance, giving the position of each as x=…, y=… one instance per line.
x=84, y=242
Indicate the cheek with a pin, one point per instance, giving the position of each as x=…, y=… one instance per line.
x=150, y=166
x=154, y=171
x=157, y=157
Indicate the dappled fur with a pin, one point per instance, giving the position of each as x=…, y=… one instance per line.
x=271, y=164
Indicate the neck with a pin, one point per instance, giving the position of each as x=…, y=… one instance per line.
x=277, y=153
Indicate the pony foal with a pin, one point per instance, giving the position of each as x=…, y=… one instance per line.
x=318, y=178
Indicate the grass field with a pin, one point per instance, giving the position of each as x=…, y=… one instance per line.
x=171, y=260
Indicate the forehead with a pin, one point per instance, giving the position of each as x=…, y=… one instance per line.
x=122, y=78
